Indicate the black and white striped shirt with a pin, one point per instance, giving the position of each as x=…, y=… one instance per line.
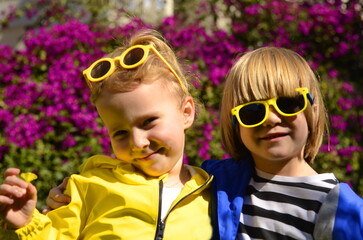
x=280, y=207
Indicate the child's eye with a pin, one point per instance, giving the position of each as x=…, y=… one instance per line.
x=120, y=133
x=149, y=121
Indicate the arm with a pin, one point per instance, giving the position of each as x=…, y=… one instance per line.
x=22, y=220
x=17, y=200
x=64, y=223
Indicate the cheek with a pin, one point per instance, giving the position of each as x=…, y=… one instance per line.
x=169, y=133
x=301, y=129
x=246, y=135
x=300, y=122
x=120, y=148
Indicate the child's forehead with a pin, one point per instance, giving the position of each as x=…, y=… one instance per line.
x=143, y=93
x=145, y=99
x=255, y=84
x=254, y=91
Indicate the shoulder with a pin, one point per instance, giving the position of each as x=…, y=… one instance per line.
x=349, y=214
x=349, y=202
x=230, y=176
x=347, y=194
x=101, y=169
x=230, y=165
x=99, y=162
x=197, y=171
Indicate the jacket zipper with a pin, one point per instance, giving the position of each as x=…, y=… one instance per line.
x=160, y=226
x=159, y=235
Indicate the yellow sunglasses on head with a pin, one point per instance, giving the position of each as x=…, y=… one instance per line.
x=129, y=59
x=253, y=114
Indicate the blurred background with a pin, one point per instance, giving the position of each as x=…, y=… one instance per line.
x=48, y=125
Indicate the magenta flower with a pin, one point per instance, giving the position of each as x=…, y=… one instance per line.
x=5, y=118
x=338, y=122
x=333, y=73
x=185, y=159
x=334, y=140
x=348, y=151
x=326, y=148
x=253, y=9
x=305, y=26
x=349, y=168
x=68, y=142
x=347, y=87
x=25, y=130
x=343, y=48
x=21, y=95
x=345, y=103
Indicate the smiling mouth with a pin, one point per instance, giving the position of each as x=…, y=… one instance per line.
x=150, y=155
x=273, y=136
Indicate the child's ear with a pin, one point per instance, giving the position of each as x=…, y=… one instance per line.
x=188, y=112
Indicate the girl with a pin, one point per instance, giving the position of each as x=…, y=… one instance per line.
x=273, y=120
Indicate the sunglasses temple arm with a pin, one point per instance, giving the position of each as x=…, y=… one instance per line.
x=310, y=98
x=171, y=69
x=234, y=120
x=89, y=84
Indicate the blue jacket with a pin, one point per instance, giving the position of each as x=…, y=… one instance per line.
x=340, y=216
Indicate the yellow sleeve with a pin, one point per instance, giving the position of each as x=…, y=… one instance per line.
x=64, y=223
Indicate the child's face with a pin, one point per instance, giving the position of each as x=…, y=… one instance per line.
x=146, y=126
x=279, y=141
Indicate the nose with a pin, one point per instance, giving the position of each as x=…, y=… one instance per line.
x=139, y=139
x=273, y=117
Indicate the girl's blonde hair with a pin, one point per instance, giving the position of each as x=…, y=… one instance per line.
x=124, y=80
x=265, y=73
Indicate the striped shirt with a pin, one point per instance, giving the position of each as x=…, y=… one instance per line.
x=281, y=207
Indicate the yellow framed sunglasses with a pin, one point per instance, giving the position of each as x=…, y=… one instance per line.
x=253, y=114
x=129, y=59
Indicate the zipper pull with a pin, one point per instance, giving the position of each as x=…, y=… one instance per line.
x=160, y=233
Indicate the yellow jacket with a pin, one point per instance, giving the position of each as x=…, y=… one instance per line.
x=112, y=200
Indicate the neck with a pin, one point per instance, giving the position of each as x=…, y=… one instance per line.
x=178, y=181
x=291, y=168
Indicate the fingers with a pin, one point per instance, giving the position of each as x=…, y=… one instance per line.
x=63, y=185
x=6, y=200
x=11, y=172
x=52, y=204
x=56, y=198
x=9, y=191
x=32, y=192
x=17, y=198
x=57, y=193
x=46, y=210
x=12, y=186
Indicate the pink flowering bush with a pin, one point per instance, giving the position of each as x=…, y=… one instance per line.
x=49, y=126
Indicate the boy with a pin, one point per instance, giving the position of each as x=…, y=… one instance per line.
x=146, y=191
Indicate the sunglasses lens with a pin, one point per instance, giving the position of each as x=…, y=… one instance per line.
x=100, y=69
x=134, y=56
x=291, y=105
x=252, y=114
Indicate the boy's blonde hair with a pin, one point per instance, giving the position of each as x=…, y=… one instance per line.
x=265, y=73
x=124, y=80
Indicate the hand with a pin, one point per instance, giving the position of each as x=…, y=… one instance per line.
x=56, y=198
x=17, y=199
